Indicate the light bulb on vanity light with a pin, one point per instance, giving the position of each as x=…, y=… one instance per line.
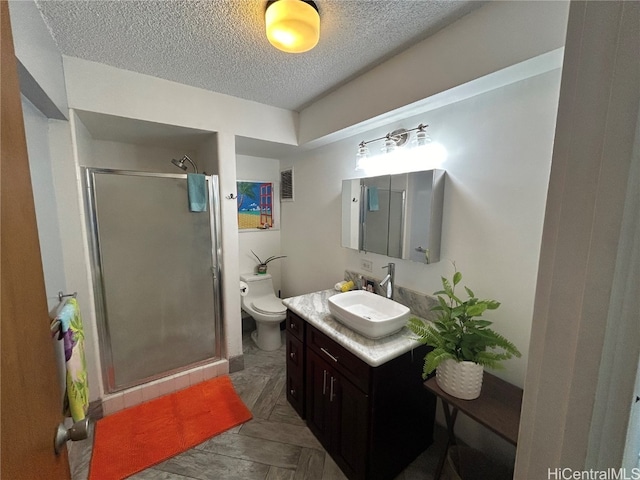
x=362, y=155
x=389, y=145
x=363, y=151
x=421, y=137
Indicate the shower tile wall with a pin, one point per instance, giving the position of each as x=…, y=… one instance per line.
x=134, y=396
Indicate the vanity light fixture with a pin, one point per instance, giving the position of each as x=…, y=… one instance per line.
x=394, y=140
x=293, y=26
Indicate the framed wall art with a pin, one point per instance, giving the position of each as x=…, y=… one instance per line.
x=257, y=205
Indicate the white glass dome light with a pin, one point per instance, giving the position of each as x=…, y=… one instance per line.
x=292, y=26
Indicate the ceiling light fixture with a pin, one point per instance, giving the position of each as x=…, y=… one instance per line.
x=394, y=140
x=293, y=26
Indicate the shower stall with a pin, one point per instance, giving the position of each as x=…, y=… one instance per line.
x=156, y=271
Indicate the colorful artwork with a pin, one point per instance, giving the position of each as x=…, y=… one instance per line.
x=255, y=205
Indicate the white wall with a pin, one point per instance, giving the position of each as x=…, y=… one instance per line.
x=264, y=242
x=60, y=227
x=99, y=88
x=37, y=133
x=37, y=51
x=499, y=148
x=215, y=156
x=226, y=171
x=489, y=39
x=127, y=156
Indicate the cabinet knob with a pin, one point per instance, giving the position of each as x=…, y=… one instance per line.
x=293, y=326
x=292, y=355
x=292, y=392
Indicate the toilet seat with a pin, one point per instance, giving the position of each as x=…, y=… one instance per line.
x=269, y=306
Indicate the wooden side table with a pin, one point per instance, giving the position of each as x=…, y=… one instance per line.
x=497, y=408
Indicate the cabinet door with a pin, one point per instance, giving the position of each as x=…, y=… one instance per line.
x=295, y=374
x=338, y=414
x=350, y=410
x=318, y=404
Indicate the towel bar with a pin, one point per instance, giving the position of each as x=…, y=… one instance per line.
x=62, y=295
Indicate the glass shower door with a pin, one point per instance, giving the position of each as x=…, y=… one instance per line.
x=157, y=269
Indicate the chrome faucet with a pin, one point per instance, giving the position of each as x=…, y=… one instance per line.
x=390, y=279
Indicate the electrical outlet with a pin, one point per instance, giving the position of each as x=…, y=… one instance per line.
x=366, y=265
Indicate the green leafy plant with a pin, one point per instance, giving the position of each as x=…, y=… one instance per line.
x=274, y=257
x=262, y=266
x=458, y=333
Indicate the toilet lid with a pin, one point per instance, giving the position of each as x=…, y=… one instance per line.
x=269, y=305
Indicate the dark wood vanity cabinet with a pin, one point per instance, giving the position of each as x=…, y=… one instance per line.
x=373, y=421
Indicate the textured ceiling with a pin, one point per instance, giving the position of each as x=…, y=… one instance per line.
x=220, y=45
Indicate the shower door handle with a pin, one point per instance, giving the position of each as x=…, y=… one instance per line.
x=213, y=273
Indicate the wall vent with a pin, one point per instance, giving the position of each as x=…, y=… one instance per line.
x=286, y=185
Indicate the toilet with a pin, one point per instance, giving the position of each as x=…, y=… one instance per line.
x=260, y=301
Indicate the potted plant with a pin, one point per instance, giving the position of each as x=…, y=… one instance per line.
x=463, y=344
x=262, y=266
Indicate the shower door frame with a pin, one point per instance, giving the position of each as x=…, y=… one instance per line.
x=104, y=337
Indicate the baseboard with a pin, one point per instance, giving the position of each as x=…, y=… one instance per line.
x=95, y=410
x=236, y=363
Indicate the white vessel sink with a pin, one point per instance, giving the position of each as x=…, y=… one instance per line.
x=368, y=314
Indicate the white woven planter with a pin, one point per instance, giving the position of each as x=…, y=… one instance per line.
x=460, y=379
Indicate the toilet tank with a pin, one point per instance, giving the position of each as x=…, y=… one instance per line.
x=259, y=285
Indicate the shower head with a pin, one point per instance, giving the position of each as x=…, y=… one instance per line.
x=180, y=163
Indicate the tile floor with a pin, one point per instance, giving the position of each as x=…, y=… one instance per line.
x=274, y=445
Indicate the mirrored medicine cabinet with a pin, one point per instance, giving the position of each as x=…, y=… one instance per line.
x=395, y=215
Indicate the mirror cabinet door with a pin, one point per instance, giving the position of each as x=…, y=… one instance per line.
x=397, y=199
x=418, y=247
x=399, y=216
x=375, y=214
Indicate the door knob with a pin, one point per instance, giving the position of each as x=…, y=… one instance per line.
x=78, y=431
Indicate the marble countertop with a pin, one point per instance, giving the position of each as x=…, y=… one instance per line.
x=313, y=308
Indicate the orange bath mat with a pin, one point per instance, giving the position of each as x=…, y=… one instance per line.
x=142, y=436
